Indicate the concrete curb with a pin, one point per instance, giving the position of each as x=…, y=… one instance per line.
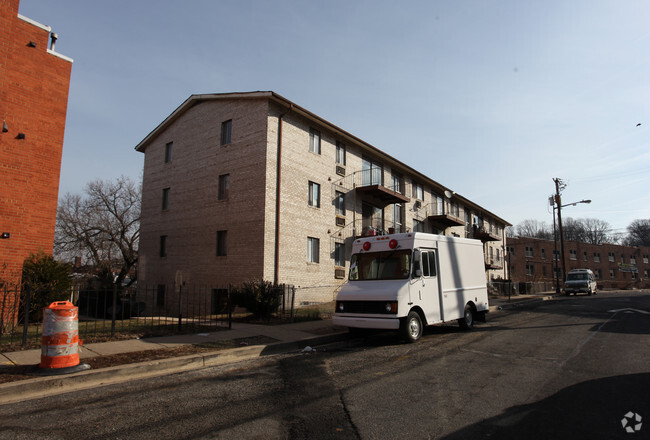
x=523, y=302
x=45, y=386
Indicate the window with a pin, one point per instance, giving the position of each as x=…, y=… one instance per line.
x=622, y=258
x=372, y=173
x=529, y=252
x=543, y=254
x=645, y=260
x=165, y=199
x=556, y=255
x=226, y=132
x=428, y=259
x=584, y=256
x=219, y=302
x=612, y=274
x=418, y=191
x=339, y=254
x=222, y=242
x=340, y=153
x=314, y=194
x=313, y=249
x=372, y=219
x=596, y=257
x=437, y=204
x=224, y=186
x=573, y=254
x=455, y=210
x=598, y=274
x=418, y=226
x=530, y=270
x=387, y=265
x=168, y=151
x=397, y=183
x=610, y=257
x=314, y=141
x=398, y=217
x=162, y=251
x=339, y=203
x=160, y=296
x=632, y=259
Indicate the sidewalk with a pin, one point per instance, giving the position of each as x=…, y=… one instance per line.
x=287, y=337
x=295, y=332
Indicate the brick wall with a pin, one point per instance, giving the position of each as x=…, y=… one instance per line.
x=195, y=213
x=538, y=264
x=249, y=215
x=33, y=101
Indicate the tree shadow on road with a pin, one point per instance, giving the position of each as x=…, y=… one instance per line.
x=593, y=409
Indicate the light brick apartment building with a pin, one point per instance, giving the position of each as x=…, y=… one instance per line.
x=241, y=186
x=615, y=266
x=34, y=83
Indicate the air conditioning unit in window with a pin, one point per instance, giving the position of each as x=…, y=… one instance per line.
x=417, y=205
x=340, y=221
x=339, y=273
x=340, y=171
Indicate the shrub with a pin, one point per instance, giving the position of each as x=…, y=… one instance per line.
x=48, y=281
x=259, y=297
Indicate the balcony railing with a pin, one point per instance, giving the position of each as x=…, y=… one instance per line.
x=370, y=183
x=494, y=262
x=445, y=214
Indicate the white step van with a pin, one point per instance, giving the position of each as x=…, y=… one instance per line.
x=407, y=281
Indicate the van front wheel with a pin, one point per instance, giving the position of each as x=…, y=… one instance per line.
x=411, y=327
x=467, y=321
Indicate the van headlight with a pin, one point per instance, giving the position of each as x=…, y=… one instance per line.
x=391, y=307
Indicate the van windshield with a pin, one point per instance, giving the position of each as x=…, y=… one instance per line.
x=576, y=276
x=388, y=265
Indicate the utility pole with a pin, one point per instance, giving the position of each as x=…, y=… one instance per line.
x=559, y=186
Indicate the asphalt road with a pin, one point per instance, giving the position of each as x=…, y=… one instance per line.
x=567, y=368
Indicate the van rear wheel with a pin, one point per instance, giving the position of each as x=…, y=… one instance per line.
x=467, y=321
x=411, y=327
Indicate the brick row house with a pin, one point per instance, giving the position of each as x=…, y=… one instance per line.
x=615, y=266
x=34, y=84
x=241, y=186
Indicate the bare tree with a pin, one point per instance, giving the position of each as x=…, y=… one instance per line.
x=573, y=230
x=103, y=226
x=534, y=229
x=597, y=231
x=638, y=233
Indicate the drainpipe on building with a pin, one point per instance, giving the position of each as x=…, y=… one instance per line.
x=278, y=179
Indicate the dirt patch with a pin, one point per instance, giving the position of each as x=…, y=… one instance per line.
x=12, y=373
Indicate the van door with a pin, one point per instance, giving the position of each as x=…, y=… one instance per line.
x=424, y=289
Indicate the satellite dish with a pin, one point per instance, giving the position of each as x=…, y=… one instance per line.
x=448, y=194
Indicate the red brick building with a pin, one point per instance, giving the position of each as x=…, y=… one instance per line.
x=615, y=266
x=34, y=83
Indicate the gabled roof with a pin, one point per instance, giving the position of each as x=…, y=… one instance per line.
x=274, y=97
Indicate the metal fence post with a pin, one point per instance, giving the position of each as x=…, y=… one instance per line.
x=180, y=307
x=113, y=312
x=229, y=307
x=28, y=299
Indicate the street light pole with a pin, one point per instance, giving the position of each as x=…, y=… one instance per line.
x=559, y=186
x=556, y=274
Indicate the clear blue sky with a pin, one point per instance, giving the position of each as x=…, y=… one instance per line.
x=492, y=99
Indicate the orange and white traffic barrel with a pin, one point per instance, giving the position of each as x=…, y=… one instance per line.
x=60, y=339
